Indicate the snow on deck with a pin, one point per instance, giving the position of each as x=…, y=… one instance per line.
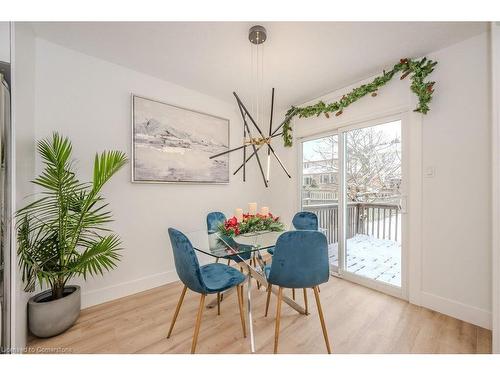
x=371, y=257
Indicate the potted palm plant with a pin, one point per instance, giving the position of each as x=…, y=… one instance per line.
x=63, y=234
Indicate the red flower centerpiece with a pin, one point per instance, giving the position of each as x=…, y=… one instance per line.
x=231, y=227
x=251, y=224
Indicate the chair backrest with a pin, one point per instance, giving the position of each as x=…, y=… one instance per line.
x=186, y=262
x=305, y=221
x=213, y=221
x=300, y=260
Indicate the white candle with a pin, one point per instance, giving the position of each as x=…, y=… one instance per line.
x=264, y=211
x=238, y=213
x=252, y=208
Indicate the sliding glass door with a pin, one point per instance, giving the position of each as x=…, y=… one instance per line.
x=372, y=196
x=353, y=180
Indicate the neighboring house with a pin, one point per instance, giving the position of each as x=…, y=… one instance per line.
x=320, y=173
x=320, y=181
x=321, y=185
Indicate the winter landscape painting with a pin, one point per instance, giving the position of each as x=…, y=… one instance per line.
x=173, y=144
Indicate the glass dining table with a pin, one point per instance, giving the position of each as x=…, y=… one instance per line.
x=218, y=246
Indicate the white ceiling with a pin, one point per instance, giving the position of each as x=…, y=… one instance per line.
x=303, y=60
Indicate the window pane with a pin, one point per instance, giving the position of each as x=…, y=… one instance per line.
x=320, y=188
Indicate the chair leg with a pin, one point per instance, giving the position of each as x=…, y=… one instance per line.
x=305, y=301
x=293, y=293
x=269, y=287
x=322, y=319
x=239, y=289
x=177, y=309
x=228, y=261
x=218, y=303
x=278, y=316
x=216, y=260
x=198, y=323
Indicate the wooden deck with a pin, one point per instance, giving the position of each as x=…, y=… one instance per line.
x=359, y=320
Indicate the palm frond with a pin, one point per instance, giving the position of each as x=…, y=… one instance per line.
x=60, y=234
x=101, y=255
x=106, y=165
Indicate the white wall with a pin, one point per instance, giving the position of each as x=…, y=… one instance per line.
x=23, y=108
x=5, y=41
x=88, y=100
x=450, y=269
x=456, y=203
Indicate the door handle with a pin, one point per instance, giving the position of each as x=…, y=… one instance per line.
x=403, y=204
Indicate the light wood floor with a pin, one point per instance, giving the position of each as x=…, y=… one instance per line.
x=359, y=320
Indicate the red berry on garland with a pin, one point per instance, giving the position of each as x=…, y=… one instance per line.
x=327, y=115
x=374, y=94
x=339, y=113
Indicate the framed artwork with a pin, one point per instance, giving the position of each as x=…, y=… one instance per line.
x=173, y=144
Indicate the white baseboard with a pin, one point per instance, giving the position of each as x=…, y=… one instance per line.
x=95, y=297
x=467, y=313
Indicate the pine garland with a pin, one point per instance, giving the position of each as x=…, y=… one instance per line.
x=419, y=70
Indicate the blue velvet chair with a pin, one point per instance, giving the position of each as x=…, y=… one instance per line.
x=302, y=221
x=305, y=221
x=300, y=261
x=208, y=279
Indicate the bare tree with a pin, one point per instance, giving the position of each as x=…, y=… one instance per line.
x=373, y=164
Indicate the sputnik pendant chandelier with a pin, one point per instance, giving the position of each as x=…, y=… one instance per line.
x=257, y=36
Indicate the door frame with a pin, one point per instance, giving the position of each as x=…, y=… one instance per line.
x=407, y=122
x=400, y=292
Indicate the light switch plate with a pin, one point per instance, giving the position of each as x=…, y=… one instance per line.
x=430, y=172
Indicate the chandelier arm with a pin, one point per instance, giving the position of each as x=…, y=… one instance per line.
x=246, y=161
x=258, y=159
x=271, y=116
x=244, y=153
x=287, y=118
x=252, y=155
x=270, y=148
x=227, y=152
x=268, y=170
x=243, y=108
x=245, y=124
x=280, y=163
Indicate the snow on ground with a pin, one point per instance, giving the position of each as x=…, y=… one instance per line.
x=371, y=257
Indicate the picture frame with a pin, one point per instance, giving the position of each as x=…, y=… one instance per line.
x=173, y=144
